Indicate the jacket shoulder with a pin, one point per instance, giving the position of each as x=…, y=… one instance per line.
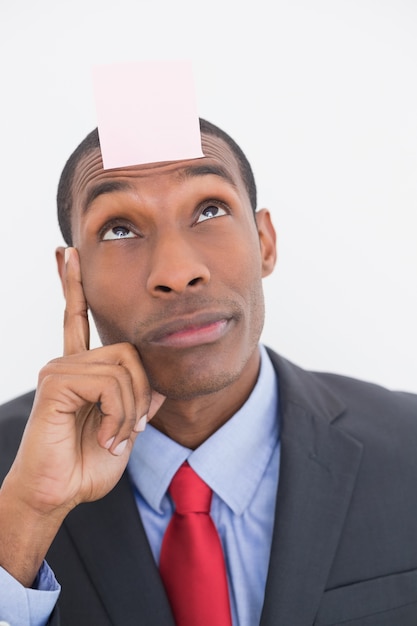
x=352, y=393
x=374, y=404
x=19, y=407
x=13, y=418
x=367, y=411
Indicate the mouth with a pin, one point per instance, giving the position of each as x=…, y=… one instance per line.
x=189, y=332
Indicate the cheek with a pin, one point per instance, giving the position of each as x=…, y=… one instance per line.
x=110, y=290
x=248, y=273
x=242, y=275
x=242, y=263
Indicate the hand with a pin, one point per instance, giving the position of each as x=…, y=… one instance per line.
x=86, y=415
x=88, y=410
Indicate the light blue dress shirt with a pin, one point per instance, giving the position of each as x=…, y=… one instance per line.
x=240, y=462
x=28, y=607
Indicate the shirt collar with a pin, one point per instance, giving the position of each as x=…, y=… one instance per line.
x=232, y=461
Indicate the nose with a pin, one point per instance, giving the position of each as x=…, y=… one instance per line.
x=176, y=266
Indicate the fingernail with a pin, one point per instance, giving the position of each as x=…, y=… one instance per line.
x=120, y=448
x=67, y=253
x=109, y=443
x=141, y=424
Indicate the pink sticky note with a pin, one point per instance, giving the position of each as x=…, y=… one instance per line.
x=147, y=112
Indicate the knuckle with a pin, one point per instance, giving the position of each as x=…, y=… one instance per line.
x=47, y=381
x=53, y=363
x=46, y=371
x=146, y=396
x=124, y=376
x=112, y=385
x=129, y=350
x=131, y=422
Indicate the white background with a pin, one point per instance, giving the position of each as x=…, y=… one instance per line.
x=321, y=95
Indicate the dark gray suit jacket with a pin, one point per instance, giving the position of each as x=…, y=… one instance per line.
x=344, y=549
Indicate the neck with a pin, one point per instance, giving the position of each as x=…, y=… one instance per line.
x=191, y=422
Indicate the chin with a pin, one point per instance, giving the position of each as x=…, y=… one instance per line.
x=199, y=373
x=182, y=388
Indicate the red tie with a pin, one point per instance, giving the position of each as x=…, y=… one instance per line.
x=192, y=563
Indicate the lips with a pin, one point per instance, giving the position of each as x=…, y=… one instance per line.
x=189, y=331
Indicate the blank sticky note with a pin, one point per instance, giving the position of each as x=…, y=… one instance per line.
x=147, y=112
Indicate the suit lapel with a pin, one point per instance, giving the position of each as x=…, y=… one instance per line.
x=112, y=543
x=318, y=469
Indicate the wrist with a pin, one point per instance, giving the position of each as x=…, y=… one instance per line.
x=25, y=534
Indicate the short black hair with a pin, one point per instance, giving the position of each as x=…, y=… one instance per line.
x=92, y=142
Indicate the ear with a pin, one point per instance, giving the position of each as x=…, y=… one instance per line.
x=60, y=261
x=267, y=240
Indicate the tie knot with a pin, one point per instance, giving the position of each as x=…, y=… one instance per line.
x=189, y=492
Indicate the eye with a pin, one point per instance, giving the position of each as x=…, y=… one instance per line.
x=211, y=211
x=117, y=232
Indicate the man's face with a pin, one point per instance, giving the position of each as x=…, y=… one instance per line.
x=172, y=261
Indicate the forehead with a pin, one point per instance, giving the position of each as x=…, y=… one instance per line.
x=218, y=159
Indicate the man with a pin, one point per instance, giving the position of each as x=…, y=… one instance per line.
x=313, y=474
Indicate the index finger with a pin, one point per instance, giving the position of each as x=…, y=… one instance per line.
x=76, y=326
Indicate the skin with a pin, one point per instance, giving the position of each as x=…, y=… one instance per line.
x=178, y=303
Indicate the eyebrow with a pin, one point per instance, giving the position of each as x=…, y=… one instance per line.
x=104, y=188
x=192, y=171
x=208, y=170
